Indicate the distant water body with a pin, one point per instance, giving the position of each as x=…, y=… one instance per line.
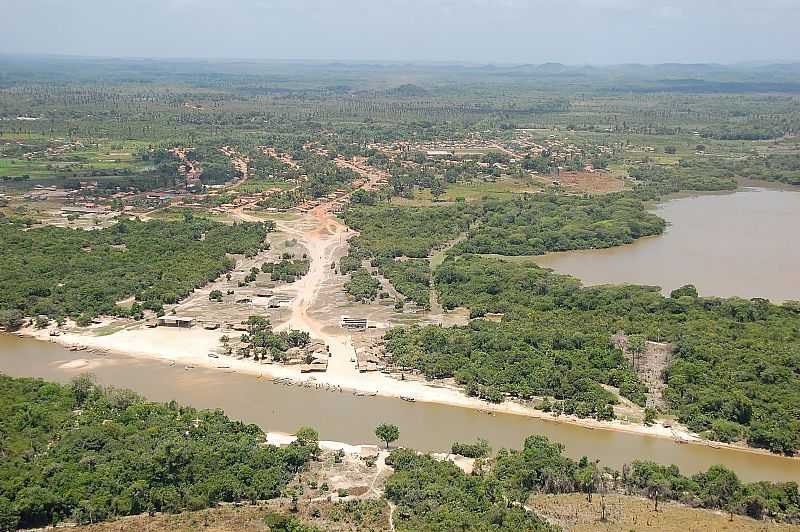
x=744, y=244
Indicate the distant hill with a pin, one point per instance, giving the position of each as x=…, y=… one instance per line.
x=406, y=90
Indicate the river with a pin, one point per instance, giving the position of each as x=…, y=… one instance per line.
x=352, y=419
x=733, y=244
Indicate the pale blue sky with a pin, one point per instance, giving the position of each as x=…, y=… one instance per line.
x=501, y=31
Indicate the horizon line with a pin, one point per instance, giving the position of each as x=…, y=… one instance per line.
x=393, y=62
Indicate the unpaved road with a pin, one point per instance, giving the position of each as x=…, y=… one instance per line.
x=323, y=241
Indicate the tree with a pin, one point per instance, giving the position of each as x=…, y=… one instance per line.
x=686, y=290
x=10, y=320
x=387, y=433
x=437, y=188
x=307, y=436
x=82, y=387
x=587, y=477
x=649, y=416
x=226, y=344
x=657, y=485
x=636, y=346
x=9, y=518
x=671, y=150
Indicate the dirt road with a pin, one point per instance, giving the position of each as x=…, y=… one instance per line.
x=324, y=240
x=240, y=162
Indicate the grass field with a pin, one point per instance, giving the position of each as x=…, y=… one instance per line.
x=100, y=155
x=502, y=188
x=21, y=167
x=171, y=214
x=575, y=514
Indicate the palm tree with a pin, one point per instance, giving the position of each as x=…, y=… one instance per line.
x=636, y=346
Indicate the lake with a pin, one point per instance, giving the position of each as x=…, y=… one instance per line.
x=735, y=244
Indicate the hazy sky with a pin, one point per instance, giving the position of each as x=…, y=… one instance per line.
x=502, y=31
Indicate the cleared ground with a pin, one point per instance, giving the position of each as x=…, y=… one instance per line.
x=591, y=182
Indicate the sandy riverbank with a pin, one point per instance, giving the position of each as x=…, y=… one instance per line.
x=190, y=348
x=282, y=439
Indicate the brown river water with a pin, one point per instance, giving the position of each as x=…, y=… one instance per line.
x=352, y=419
x=736, y=244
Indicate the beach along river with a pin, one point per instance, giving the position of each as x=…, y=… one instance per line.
x=735, y=244
x=348, y=418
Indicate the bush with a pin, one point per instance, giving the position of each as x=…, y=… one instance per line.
x=11, y=319
x=481, y=449
x=362, y=286
x=725, y=431
x=9, y=518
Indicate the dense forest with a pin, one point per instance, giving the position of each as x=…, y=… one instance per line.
x=398, y=240
x=536, y=350
x=436, y=495
x=526, y=225
x=45, y=270
x=82, y=453
x=389, y=231
x=410, y=277
x=784, y=168
x=538, y=223
x=734, y=377
x=653, y=181
x=711, y=174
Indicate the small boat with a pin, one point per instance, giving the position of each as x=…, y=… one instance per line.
x=406, y=398
x=187, y=368
x=213, y=355
x=223, y=367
